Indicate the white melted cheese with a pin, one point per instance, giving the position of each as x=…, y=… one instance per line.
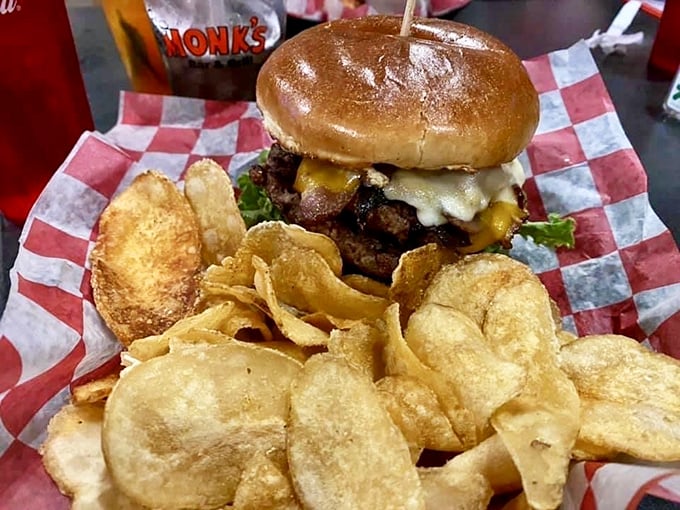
x=437, y=195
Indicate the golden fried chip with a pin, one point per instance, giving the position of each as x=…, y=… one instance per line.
x=213, y=293
x=343, y=449
x=455, y=490
x=95, y=391
x=362, y=346
x=415, y=409
x=211, y=195
x=327, y=322
x=303, y=279
x=491, y=459
x=366, y=285
x=583, y=450
x=450, y=343
x=291, y=326
x=230, y=318
x=519, y=502
x=400, y=360
x=72, y=456
x=266, y=241
x=414, y=273
x=629, y=396
x=539, y=426
x=469, y=284
x=264, y=487
x=193, y=419
x=146, y=258
x=565, y=337
x=143, y=349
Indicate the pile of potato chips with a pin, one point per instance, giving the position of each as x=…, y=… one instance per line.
x=259, y=376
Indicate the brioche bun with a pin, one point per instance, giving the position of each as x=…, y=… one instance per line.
x=355, y=92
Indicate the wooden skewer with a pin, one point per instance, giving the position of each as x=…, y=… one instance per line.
x=407, y=18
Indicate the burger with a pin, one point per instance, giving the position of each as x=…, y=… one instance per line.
x=386, y=142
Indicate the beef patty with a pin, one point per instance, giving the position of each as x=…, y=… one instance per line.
x=371, y=231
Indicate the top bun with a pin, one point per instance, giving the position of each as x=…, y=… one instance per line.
x=355, y=92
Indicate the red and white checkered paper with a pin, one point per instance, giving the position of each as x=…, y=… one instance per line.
x=623, y=277
x=323, y=10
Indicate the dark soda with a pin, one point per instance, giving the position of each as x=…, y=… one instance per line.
x=43, y=104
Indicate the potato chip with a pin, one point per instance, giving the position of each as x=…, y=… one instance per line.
x=72, y=456
x=400, y=360
x=458, y=490
x=491, y=459
x=231, y=318
x=469, y=284
x=584, y=450
x=415, y=409
x=291, y=326
x=565, y=337
x=207, y=336
x=413, y=275
x=450, y=343
x=194, y=418
x=539, y=426
x=214, y=293
x=264, y=487
x=211, y=195
x=629, y=396
x=95, y=391
x=343, y=449
x=288, y=348
x=362, y=346
x=519, y=502
x=303, y=279
x=327, y=322
x=366, y=285
x=146, y=259
x=266, y=241
x=143, y=349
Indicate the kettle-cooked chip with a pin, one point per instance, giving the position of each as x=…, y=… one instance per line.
x=414, y=408
x=146, y=258
x=414, y=273
x=72, y=455
x=95, y=391
x=491, y=459
x=362, y=346
x=629, y=396
x=540, y=425
x=264, y=487
x=459, y=490
x=303, y=279
x=292, y=327
x=400, y=360
x=450, y=343
x=194, y=418
x=266, y=240
x=343, y=449
x=211, y=195
x=469, y=284
x=366, y=285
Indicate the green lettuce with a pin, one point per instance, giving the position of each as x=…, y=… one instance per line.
x=253, y=202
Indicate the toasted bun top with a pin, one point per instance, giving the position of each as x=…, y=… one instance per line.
x=355, y=92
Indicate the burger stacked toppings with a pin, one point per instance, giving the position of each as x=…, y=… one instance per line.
x=386, y=143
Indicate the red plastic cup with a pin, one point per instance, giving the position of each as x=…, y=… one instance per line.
x=43, y=104
x=665, y=56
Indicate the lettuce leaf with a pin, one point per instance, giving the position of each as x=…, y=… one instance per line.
x=253, y=202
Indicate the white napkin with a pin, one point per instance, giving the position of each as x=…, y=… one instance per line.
x=614, y=39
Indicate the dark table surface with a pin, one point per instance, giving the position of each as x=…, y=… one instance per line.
x=530, y=27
